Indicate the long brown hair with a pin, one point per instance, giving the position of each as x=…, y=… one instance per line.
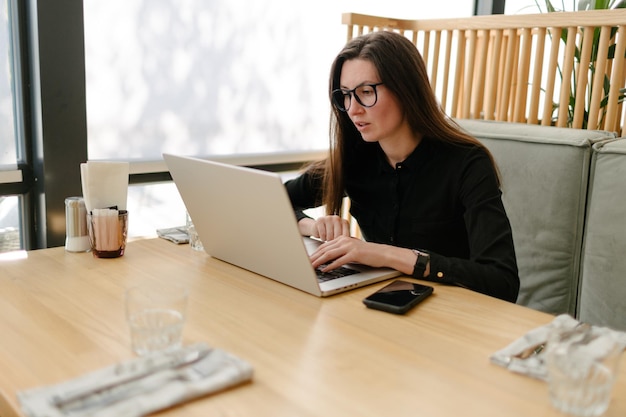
x=402, y=70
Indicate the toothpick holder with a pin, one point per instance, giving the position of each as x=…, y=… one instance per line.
x=108, y=230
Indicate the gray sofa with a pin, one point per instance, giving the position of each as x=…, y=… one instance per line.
x=602, y=295
x=548, y=176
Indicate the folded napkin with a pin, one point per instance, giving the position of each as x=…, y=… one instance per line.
x=526, y=355
x=105, y=184
x=139, y=386
x=177, y=235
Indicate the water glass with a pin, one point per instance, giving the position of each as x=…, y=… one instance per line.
x=194, y=239
x=156, y=316
x=582, y=366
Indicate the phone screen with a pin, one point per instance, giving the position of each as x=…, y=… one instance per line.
x=398, y=297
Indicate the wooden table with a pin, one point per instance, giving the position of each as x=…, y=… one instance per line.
x=62, y=315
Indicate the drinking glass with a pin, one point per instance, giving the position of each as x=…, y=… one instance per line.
x=582, y=366
x=156, y=316
x=194, y=239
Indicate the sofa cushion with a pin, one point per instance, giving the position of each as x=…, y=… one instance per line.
x=544, y=173
x=603, y=283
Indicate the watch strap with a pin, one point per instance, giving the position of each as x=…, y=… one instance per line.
x=420, y=264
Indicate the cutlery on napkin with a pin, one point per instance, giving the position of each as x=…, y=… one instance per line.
x=139, y=386
x=525, y=355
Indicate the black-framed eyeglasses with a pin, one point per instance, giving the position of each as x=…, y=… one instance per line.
x=365, y=94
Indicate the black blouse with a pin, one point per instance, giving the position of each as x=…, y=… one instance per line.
x=443, y=199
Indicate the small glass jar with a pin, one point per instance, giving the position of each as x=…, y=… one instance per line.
x=76, y=232
x=194, y=239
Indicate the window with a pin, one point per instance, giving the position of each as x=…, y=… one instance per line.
x=202, y=77
x=207, y=78
x=10, y=231
x=8, y=151
x=211, y=77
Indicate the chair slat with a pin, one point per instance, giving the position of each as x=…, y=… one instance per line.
x=582, y=80
x=434, y=68
x=458, y=83
x=617, y=78
x=566, y=76
x=446, y=68
x=480, y=74
x=523, y=70
x=491, y=89
x=468, y=76
x=535, y=85
x=597, y=93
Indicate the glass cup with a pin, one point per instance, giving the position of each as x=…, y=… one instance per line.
x=156, y=316
x=582, y=366
x=194, y=239
x=108, y=231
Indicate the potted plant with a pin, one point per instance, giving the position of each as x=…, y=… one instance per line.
x=580, y=6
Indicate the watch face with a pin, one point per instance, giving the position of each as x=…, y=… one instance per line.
x=421, y=255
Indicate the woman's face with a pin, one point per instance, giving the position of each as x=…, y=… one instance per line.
x=383, y=122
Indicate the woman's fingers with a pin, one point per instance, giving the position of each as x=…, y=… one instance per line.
x=335, y=253
x=331, y=227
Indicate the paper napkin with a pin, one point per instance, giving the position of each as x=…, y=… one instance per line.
x=152, y=383
x=105, y=184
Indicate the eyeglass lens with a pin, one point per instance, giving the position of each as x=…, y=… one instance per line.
x=366, y=95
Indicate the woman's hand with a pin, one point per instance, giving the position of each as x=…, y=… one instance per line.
x=345, y=249
x=325, y=228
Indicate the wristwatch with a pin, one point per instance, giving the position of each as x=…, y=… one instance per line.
x=421, y=263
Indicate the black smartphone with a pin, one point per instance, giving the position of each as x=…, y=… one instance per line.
x=398, y=297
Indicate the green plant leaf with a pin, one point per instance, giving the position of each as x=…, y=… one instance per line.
x=606, y=88
x=549, y=6
x=570, y=103
x=611, y=51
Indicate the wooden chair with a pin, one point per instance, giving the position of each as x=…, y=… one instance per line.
x=543, y=69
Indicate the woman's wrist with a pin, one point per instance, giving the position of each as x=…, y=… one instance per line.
x=306, y=226
x=400, y=259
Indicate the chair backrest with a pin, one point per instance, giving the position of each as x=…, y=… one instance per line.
x=549, y=68
x=603, y=272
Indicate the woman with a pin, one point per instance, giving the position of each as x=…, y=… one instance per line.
x=425, y=194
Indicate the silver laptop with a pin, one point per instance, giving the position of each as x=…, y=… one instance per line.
x=244, y=217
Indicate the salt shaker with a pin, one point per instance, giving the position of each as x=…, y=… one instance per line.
x=76, y=232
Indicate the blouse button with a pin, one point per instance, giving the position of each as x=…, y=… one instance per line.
x=439, y=274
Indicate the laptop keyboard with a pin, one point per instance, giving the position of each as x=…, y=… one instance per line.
x=334, y=274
